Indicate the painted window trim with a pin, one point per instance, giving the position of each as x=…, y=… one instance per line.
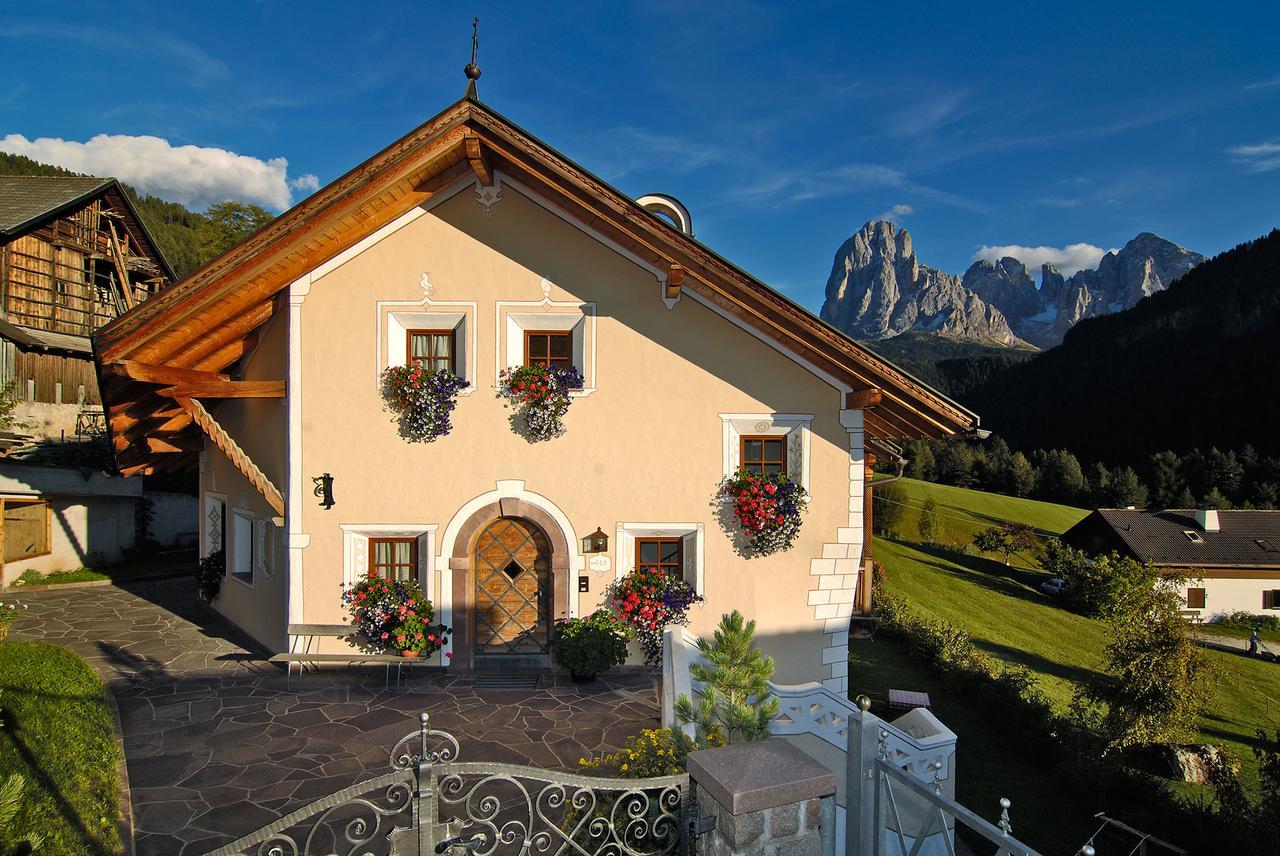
x=395, y=318
x=694, y=553
x=796, y=427
x=513, y=319
x=355, y=551
x=208, y=497
x=247, y=580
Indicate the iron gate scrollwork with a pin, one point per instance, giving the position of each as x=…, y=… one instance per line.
x=432, y=800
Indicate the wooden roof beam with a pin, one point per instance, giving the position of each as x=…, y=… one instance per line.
x=477, y=160
x=168, y=375
x=863, y=399
x=675, y=282
x=229, y=353
x=220, y=337
x=227, y=389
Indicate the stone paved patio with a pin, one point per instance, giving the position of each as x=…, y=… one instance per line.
x=216, y=745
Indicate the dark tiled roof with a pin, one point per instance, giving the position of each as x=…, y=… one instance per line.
x=24, y=198
x=1160, y=537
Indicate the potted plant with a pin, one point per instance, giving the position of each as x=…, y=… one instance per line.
x=647, y=600
x=213, y=568
x=767, y=509
x=540, y=396
x=589, y=646
x=379, y=606
x=424, y=400
x=414, y=636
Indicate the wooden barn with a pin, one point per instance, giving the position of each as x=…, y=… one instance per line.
x=74, y=254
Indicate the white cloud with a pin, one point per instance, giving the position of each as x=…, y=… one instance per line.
x=1259, y=157
x=896, y=213
x=196, y=176
x=308, y=181
x=1068, y=259
x=1273, y=83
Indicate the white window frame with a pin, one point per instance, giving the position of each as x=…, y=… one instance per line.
x=241, y=517
x=355, y=551
x=515, y=318
x=395, y=318
x=796, y=427
x=693, y=534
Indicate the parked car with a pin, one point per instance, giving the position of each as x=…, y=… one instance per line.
x=1053, y=586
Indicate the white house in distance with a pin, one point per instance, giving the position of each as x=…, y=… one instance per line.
x=1231, y=558
x=471, y=242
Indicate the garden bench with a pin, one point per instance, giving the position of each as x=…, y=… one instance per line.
x=1192, y=615
x=309, y=637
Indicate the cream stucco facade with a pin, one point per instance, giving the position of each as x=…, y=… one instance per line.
x=670, y=384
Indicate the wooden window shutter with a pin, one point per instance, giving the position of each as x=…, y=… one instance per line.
x=1268, y=600
x=1195, y=598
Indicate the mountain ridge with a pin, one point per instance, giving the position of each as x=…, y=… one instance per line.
x=878, y=288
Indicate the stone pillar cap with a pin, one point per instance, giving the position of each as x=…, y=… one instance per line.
x=747, y=777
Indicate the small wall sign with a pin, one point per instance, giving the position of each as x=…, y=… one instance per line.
x=599, y=564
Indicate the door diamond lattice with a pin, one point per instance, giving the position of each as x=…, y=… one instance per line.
x=512, y=563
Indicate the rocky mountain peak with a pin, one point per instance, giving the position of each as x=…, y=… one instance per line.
x=878, y=288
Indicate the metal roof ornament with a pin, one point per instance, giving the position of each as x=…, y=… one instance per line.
x=472, y=71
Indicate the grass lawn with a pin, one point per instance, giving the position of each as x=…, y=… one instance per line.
x=990, y=762
x=155, y=565
x=57, y=733
x=1235, y=631
x=1010, y=619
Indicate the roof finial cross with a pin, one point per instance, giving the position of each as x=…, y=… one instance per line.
x=472, y=71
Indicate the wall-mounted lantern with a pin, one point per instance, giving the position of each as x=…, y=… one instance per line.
x=596, y=542
x=324, y=489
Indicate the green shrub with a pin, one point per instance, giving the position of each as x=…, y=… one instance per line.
x=1099, y=586
x=733, y=673
x=213, y=568
x=652, y=752
x=888, y=504
x=591, y=645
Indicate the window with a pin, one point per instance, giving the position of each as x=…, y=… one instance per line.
x=1195, y=598
x=26, y=528
x=241, y=564
x=1271, y=599
x=394, y=558
x=1193, y=536
x=432, y=349
x=551, y=348
x=764, y=454
x=665, y=554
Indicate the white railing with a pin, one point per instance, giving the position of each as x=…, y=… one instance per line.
x=917, y=742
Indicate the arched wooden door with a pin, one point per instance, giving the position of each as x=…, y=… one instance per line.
x=511, y=607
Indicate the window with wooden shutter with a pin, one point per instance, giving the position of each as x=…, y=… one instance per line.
x=1195, y=598
x=1271, y=599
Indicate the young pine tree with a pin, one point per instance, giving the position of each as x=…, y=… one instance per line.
x=736, y=706
x=929, y=523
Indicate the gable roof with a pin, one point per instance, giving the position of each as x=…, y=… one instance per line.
x=1245, y=539
x=191, y=325
x=26, y=199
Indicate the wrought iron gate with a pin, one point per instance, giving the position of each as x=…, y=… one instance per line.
x=431, y=802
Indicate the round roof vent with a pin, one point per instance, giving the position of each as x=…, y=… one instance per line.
x=669, y=208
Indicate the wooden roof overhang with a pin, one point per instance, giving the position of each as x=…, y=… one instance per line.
x=206, y=323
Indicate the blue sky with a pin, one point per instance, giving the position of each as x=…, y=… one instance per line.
x=782, y=128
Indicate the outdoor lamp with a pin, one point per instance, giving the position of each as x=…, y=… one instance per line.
x=596, y=542
x=324, y=490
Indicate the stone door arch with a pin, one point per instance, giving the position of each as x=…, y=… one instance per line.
x=462, y=566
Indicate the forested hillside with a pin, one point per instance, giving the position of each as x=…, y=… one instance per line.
x=1196, y=366
x=953, y=367
x=188, y=239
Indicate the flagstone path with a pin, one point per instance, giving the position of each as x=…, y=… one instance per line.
x=216, y=745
